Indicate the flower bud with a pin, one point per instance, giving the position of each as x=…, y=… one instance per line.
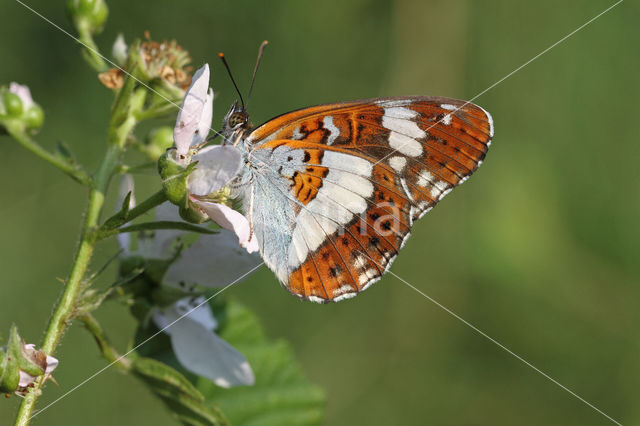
x=17, y=106
x=119, y=50
x=34, y=117
x=159, y=140
x=191, y=213
x=22, y=364
x=11, y=105
x=88, y=15
x=174, y=177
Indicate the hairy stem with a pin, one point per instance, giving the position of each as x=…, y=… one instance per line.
x=108, y=351
x=64, y=310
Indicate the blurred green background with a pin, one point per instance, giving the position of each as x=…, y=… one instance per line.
x=539, y=250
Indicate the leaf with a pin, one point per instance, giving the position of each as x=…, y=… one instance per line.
x=62, y=150
x=177, y=392
x=281, y=394
x=122, y=215
x=165, y=224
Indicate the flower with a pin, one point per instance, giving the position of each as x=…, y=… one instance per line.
x=166, y=60
x=45, y=362
x=191, y=326
x=21, y=365
x=23, y=93
x=210, y=261
x=216, y=165
x=163, y=65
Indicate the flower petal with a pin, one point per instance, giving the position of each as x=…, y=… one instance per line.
x=195, y=113
x=52, y=363
x=200, y=350
x=217, y=165
x=211, y=261
x=23, y=93
x=25, y=379
x=231, y=220
x=191, y=308
x=119, y=50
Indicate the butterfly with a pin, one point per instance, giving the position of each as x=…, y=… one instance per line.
x=332, y=191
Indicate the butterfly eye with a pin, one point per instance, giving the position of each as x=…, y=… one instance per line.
x=237, y=118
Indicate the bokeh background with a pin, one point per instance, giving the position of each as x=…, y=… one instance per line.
x=539, y=250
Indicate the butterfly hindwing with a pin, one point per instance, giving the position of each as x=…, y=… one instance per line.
x=356, y=176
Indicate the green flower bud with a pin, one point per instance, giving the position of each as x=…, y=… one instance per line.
x=34, y=117
x=12, y=104
x=159, y=140
x=174, y=177
x=88, y=15
x=191, y=213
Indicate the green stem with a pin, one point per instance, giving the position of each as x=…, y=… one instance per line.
x=107, y=350
x=90, y=52
x=71, y=169
x=65, y=307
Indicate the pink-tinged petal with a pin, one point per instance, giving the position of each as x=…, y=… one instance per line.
x=231, y=220
x=211, y=261
x=217, y=165
x=25, y=379
x=204, y=126
x=23, y=93
x=52, y=363
x=196, y=108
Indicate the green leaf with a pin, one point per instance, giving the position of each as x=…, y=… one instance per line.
x=63, y=151
x=177, y=392
x=165, y=224
x=281, y=394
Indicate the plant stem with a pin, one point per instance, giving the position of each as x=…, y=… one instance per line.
x=65, y=307
x=108, y=351
x=67, y=167
x=90, y=52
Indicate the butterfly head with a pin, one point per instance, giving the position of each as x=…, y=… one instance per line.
x=236, y=122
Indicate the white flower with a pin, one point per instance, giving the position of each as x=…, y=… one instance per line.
x=119, y=50
x=217, y=165
x=23, y=93
x=211, y=261
x=191, y=327
x=48, y=364
x=194, y=119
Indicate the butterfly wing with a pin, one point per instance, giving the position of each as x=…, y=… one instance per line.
x=353, y=177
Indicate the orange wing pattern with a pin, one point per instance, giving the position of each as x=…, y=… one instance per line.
x=370, y=169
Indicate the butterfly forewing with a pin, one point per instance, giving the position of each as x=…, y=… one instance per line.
x=358, y=174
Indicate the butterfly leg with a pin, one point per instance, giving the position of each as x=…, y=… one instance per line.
x=251, y=211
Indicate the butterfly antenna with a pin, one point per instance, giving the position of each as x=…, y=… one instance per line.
x=224, y=61
x=255, y=70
